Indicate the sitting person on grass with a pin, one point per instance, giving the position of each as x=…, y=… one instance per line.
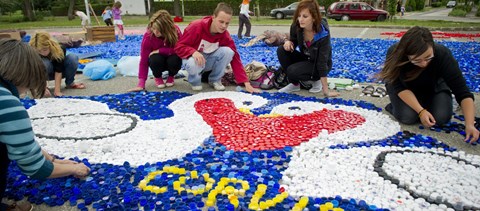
x=206, y=45
x=58, y=65
x=157, y=51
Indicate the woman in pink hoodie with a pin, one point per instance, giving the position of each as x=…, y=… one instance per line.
x=157, y=51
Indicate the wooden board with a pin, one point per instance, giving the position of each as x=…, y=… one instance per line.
x=102, y=33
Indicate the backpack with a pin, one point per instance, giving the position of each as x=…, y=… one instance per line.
x=265, y=81
x=280, y=79
x=255, y=70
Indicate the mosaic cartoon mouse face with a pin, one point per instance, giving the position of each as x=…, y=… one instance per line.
x=326, y=161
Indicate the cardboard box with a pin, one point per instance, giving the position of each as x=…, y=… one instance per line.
x=101, y=33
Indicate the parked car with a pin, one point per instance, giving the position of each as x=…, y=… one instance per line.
x=451, y=4
x=281, y=13
x=355, y=11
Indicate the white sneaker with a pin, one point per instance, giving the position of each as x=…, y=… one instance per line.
x=217, y=86
x=197, y=88
x=316, y=87
x=290, y=88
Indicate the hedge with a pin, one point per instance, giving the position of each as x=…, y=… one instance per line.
x=63, y=10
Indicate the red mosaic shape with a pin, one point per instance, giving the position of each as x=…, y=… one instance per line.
x=245, y=132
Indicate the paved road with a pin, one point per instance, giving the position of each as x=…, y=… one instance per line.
x=440, y=14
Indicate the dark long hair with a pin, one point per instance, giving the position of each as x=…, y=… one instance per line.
x=314, y=9
x=415, y=41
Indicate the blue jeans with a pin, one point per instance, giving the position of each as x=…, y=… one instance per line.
x=70, y=64
x=215, y=62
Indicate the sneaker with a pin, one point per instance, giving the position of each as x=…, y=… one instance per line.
x=290, y=88
x=170, y=81
x=159, y=82
x=316, y=87
x=217, y=86
x=197, y=88
x=20, y=206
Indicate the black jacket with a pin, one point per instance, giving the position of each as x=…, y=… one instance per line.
x=320, y=50
x=441, y=74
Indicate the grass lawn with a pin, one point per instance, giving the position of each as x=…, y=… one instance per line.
x=48, y=22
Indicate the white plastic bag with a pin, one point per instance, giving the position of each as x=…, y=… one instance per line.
x=128, y=66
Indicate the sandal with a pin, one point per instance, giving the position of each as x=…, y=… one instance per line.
x=76, y=86
x=379, y=92
x=368, y=90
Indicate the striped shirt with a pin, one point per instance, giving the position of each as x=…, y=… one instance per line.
x=17, y=134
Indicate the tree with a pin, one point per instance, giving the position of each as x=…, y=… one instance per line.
x=70, y=10
x=152, y=8
x=392, y=8
x=176, y=8
x=28, y=11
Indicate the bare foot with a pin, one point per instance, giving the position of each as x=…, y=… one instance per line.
x=58, y=94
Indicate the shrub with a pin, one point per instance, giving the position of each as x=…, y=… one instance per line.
x=436, y=4
x=457, y=13
x=478, y=13
x=420, y=4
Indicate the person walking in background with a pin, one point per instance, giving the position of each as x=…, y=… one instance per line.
x=244, y=19
x=420, y=76
x=117, y=19
x=206, y=45
x=22, y=69
x=402, y=10
x=58, y=65
x=107, y=16
x=157, y=51
x=310, y=32
x=83, y=17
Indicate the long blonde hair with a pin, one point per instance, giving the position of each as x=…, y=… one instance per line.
x=44, y=40
x=162, y=21
x=21, y=65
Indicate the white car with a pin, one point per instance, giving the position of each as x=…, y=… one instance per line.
x=451, y=4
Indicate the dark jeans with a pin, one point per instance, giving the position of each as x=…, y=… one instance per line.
x=439, y=105
x=70, y=64
x=159, y=63
x=242, y=19
x=296, y=66
x=108, y=22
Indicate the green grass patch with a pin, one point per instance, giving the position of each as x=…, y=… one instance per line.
x=458, y=13
x=16, y=22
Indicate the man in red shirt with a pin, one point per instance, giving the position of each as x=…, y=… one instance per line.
x=206, y=46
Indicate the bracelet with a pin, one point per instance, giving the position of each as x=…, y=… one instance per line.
x=420, y=113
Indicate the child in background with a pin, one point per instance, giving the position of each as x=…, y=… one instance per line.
x=83, y=17
x=402, y=9
x=117, y=19
x=107, y=16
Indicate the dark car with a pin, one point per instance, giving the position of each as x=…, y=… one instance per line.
x=451, y=4
x=289, y=10
x=355, y=11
